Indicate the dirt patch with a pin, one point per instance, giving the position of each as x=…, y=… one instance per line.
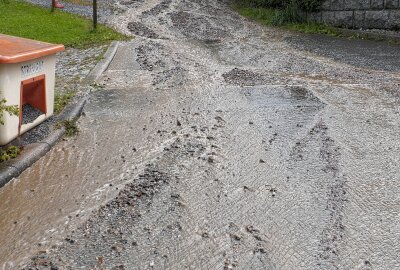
x=156, y=10
x=196, y=27
x=300, y=93
x=129, y=3
x=170, y=78
x=140, y=29
x=148, y=56
x=244, y=77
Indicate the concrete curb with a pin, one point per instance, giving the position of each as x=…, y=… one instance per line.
x=103, y=64
x=35, y=151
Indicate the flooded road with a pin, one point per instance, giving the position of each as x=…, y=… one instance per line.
x=79, y=174
x=219, y=144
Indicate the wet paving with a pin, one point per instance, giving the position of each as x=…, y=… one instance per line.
x=219, y=144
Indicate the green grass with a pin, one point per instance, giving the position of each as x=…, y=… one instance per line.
x=61, y=100
x=22, y=19
x=268, y=17
x=262, y=15
x=314, y=28
x=9, y=153
x=11, y=110
x=71, y=129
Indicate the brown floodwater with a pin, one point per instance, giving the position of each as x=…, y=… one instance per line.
x=78, y=174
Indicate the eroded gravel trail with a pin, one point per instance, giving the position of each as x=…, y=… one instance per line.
x=220, y=144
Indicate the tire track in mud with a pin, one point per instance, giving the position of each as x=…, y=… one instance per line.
x=333, y=234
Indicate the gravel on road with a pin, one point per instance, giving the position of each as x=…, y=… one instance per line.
x=219, y=144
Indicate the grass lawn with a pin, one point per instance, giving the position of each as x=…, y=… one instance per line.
x=266, y=16
x=22, y=19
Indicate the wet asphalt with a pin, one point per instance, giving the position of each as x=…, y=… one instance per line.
x=216, y=143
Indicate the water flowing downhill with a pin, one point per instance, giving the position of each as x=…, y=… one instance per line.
x=217, y=143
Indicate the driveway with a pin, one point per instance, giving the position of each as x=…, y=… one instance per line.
x=217, y=143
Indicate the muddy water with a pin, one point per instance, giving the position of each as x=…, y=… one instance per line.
x=227, y=146
x=78, y=174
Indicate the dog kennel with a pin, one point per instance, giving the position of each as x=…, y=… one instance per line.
x=27, y=78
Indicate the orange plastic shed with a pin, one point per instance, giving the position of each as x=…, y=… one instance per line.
x=27, y=78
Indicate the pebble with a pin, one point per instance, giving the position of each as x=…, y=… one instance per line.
x=30, y=114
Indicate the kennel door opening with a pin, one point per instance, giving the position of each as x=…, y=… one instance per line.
x=33, y=99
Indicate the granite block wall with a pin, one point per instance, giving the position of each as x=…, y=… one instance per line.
x=365, y=14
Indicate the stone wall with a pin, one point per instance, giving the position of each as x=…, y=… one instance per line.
x=380, y=14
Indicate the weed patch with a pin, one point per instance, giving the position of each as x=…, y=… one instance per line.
x=61, y=100
x=12, y=110
x=9, y=153
x=71, y=129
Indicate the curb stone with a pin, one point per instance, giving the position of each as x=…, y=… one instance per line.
x=103, y=64
x=33, y=152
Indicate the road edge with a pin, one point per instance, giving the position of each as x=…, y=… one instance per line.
x=13, y=169
x=370, y=35
x=103, y=64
